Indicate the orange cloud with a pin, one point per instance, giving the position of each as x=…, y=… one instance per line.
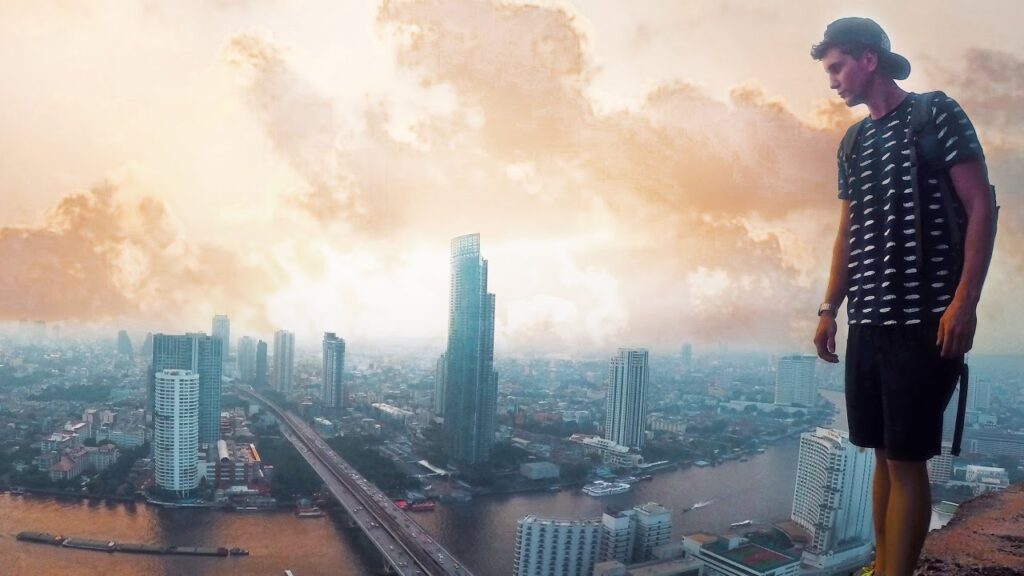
x=106, y=255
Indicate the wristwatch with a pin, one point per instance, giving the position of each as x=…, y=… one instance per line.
x=828, y=307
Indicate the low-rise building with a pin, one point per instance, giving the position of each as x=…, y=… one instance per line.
x=610, y=452
x=734, y=555
x=539, y=470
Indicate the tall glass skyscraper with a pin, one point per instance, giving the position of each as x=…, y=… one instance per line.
x=333, y=392
x=260, y=378
x=200, y=354
x=222, y=331
x=471, y=384
x=626, y=398
x=247, y=359
x=284, y=360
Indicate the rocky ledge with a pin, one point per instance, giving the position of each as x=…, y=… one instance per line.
x=984, y=538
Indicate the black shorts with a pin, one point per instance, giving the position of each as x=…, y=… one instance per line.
x=897, y=388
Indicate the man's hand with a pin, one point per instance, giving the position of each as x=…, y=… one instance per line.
x=825, y=338
x=956, y=329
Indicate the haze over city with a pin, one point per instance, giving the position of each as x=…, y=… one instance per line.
x=649, y=178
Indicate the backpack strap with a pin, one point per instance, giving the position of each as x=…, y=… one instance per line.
x=928, y=156
x=845, y=152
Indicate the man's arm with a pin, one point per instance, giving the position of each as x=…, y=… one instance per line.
x=825, y=335
x=959, y=321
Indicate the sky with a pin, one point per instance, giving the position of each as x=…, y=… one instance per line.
x=639, y=177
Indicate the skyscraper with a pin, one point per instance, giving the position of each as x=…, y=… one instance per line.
x=176, y=430
x=147, y=346
x=979, y=395
x=124, y=344
x=832, y=498
x=439, y=376
x=794, y=381
x=626, y=398
x=333, y=391
x=247, y=359
x=200, y=354
x=284, y=360
x=222, y=332
x=471, y=384
x=260, y=377
x=563, y=547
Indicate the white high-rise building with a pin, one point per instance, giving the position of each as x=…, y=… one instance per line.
x=618, y=536
x=176, y=431
x=653, y=529
x=832, y=498
x=794, y=381
x=626, y=398
x=630, y=536
x=333, y=391
x=284, y=360
x=222, y=331
x=979, y=395
x=940, y=468
x=562, y=547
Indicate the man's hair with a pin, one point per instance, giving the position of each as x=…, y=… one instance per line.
x=852, y=49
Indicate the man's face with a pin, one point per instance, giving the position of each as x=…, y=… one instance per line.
x=847, y=75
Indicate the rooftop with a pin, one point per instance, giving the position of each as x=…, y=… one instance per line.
x=752, y=555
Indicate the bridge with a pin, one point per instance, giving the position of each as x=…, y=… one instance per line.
x=408, y=550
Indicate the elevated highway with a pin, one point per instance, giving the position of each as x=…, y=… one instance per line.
x=407, y=549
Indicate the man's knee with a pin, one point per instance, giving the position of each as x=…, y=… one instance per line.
x=907, y=469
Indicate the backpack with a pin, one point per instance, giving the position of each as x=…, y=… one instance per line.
x=925, y=162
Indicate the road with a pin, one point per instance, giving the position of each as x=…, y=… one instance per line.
x=406, y=547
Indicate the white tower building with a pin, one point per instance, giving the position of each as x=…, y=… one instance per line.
x=176, y=431
x=626, y=398
x=832, y=498
x=794, y=381
x=284, y=360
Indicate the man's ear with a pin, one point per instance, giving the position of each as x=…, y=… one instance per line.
x=870, y=60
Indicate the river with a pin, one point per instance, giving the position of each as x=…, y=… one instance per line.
x=481, y=533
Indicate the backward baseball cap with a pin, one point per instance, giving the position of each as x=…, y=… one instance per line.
x=867, y=33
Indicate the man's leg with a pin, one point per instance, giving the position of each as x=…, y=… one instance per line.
x=907, y=517
x=879, y=506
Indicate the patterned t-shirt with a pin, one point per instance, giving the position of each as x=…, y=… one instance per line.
x=886, y=286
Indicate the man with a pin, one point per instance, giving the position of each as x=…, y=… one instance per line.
x=912, y=278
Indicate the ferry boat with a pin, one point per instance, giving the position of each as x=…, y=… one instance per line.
x=311, y=512
x=422, y=506
x=602, y=488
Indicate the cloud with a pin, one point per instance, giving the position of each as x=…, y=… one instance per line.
x=111, y=253
x=685, y=217
x=655, y=194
